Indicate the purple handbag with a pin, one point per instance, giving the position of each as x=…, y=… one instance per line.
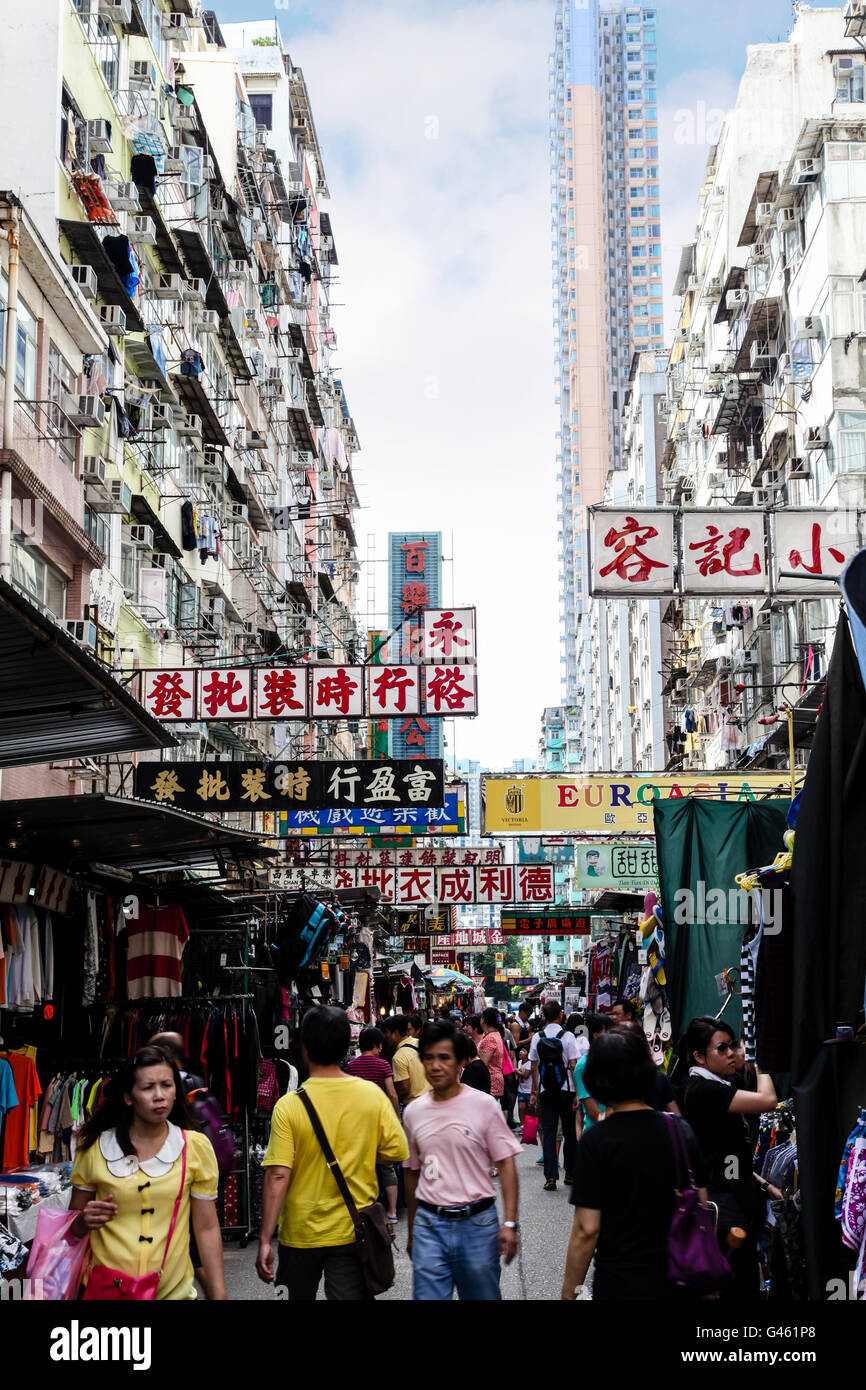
x=695, y=1260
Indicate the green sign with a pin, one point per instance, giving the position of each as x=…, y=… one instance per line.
x=627, y=865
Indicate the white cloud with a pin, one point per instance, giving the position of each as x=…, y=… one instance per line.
x=445, y=346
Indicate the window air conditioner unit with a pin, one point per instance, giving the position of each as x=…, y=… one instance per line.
x=255, y=440
x=141, y=537
x=735, y=298
x=93, y=470
x=262, y=134
x=99, y=137
x=731, y=388
x=713, y=287
x=174, y=26
x=118, y=11
x=85, y=278
x=747, y=658
x=113, y=319
x=808, y=327
x=83, y=631
x=299, y=125
x=764, y=214
x=142, y=74
x=817, y=437
x=716, y=482
x=168, y=287
x=760, y=356
x=174, y=162
x=786, y=217
x=161, y=417
x=760, y=496
x=274, y=387
x=207, y=321
x=141, y=231
x=189, y=426
x=121, y=494
x=212, y=466
x=682, y=335
x=123, y=197
x=193, y=291
x=208, y=169
x=216, y=607
x=806, y=170
x=240, y=512
x=798, y=468
x=83, y=410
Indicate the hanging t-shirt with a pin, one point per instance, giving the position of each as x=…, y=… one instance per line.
x=155, y=942
x=8, y=1096
x=16, y=1143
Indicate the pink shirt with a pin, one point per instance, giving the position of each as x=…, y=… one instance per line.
x=490, y=1050
x=454, y=1144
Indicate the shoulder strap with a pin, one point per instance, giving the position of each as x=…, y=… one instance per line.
x=329, y=1157
x=177, y=1202
x=681, y=1153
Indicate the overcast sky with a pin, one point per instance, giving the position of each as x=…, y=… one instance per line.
x=433, y=121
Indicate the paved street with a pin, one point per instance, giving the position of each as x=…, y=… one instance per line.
x=545, y=1219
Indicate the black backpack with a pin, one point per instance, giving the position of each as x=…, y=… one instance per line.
x=552, y=1068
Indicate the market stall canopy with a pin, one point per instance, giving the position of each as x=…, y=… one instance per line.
x=71, y=832
x=56, y=700
x=444, y=976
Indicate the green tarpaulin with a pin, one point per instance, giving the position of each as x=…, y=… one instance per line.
x=701, y=846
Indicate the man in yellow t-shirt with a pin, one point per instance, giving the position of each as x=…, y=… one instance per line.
x=316, y=1235
x=410, y=1080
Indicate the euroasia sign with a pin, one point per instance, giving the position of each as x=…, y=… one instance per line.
x=695, y=552
x=608, y=805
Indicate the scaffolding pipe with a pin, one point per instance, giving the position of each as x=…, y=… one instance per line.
x=9, y=227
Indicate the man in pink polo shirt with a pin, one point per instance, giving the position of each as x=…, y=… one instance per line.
x=456, y=1135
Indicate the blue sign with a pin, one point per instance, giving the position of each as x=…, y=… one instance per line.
x=421, y=820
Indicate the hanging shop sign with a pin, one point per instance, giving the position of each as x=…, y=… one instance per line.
x=53, y=890
x=474, y=938
x=449, y=819
x=15, y=881
x=465, y=856
x=448, y=634
x=627, y=865
x=243, y=693
x=415, y=945
x=422, y=922
x=535, y=850
x=106, y=595
x=561, y=921
x=696, y=552
x=446, y=958
x=607, y=805
x=415, y=885
x=320, y=786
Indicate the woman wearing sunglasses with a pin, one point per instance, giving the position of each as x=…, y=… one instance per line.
x=715, y=1105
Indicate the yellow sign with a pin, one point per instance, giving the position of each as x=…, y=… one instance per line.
x=499, y=955
x=610, y=805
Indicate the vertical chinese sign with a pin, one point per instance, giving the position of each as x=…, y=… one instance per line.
x=377, y=655
x=415, y=583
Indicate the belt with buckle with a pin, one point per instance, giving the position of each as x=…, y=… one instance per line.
x=459, y=1213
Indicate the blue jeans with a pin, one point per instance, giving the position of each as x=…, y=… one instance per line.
x=462, y=1253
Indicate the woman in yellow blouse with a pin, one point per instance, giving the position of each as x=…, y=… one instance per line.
x=127, y=1173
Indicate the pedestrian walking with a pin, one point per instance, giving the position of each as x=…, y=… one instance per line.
x=370, y=1065
x=491, y=1050
x=409, y=1079
x=519, y=1025
x=456, y=1135
x=589, y=1112
x=553, y=1055
x=524, y=1083
x=316, y=1233
x=141, y=1172
x=474, y=1072
x=625, y=1179
x=509, y=1075
x=715, y=1105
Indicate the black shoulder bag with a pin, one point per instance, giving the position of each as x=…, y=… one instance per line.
x=373, y=1237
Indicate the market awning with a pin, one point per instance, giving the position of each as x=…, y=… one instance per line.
x=71, y=832
x=57, y=701
x=197, y=401
x=87, y=244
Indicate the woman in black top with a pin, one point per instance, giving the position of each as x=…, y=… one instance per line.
x=625, y=1180
x=715, y=1105
x=475, y=1073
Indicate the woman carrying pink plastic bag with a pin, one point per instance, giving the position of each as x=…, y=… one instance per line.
x=58, y=1257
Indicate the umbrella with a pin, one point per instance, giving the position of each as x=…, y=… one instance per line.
x=442, y=975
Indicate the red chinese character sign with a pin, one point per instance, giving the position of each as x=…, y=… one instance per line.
x=633, y=552
x=449, y=634
x=281, y=692
x=450, y=689
x=810, y=544
x=338, y=692
x=724, y=551
x=225, y=693
x=170, y=694
x=393, y=690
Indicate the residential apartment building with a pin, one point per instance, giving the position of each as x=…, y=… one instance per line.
x=626, y=706
x=175, y=410
x=606, y=263
x=767, y=382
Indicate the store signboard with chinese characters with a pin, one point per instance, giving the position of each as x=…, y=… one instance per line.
x=416, y=886
x=697, y=552
x=244, y=693
x=435, y=857
x=535, y=849
x=609, y=805
x=474, y=938
x=15, y=881
x=627, y=865
x=414, y=585
x=422, y=922
x=321, y=786
x=418, y=821
x=559, y=922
